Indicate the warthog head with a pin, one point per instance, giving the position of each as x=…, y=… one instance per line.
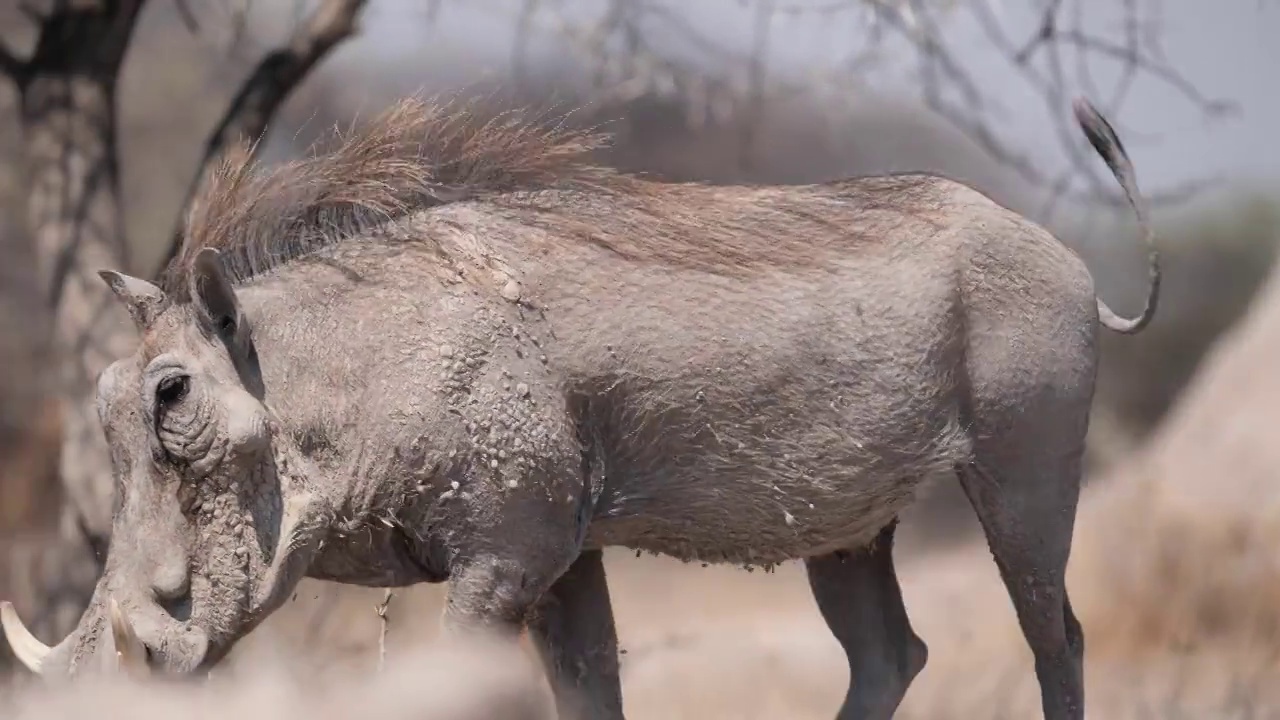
x=207, y=532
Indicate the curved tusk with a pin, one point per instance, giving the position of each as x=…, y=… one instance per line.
x=26, y=647
x=131, y=654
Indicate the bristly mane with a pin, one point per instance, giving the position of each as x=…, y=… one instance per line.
x=415, y=155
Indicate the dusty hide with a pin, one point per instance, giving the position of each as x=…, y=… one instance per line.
x=444, y=680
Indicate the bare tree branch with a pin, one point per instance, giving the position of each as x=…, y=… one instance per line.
x=270, y=83
x=282, y=70
x=1049, y=42
x=1044, y=33
x=1053, y=62
x=12, y=67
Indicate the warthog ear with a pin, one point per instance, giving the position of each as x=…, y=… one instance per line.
x=144, y=301
x=213, y=295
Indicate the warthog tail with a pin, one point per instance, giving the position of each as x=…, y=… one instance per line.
x=1104, y=139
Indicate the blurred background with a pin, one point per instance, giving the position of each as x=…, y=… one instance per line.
x=110, y=108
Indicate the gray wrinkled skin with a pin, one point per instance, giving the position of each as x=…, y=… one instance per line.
x=492, y=389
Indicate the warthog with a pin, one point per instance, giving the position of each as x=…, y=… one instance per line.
x=453, y=350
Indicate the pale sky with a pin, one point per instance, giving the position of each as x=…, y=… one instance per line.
x=1227, y=48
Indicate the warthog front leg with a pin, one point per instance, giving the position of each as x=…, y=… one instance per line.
x=569, y=618
x=858, y=594
x=492, y=595
x=573, y=627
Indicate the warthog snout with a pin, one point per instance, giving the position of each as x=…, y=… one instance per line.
x=147, y=640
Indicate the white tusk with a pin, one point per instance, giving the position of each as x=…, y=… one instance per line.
x=29, y=650
x=131, y=654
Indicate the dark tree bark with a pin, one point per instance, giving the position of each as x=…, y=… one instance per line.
x=67, y=113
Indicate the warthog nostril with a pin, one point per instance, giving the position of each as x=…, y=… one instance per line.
x=174, y=595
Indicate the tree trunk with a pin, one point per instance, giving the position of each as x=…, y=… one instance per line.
x=73, y=214
x=74, y=217
x=73, y=210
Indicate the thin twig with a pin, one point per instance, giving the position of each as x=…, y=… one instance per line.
x=1044, y=31
x=239, y=23
x=187, y=16
x=269, y=85
x=381, y=609
x=756, y=68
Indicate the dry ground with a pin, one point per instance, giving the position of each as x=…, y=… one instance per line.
x=719, y=642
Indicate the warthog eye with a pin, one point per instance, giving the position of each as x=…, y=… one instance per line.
x=172, y=389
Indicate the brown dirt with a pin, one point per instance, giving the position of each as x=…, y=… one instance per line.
x=718, y=642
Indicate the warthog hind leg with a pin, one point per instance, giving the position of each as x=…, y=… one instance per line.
x=858, y=595
x=1027, y=518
